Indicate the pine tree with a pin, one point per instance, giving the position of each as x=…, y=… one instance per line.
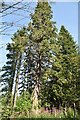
x=78, y=83
x=75, y=93
x=68, y=51
x=43, y=39
x=20, y=41
x=8, y=74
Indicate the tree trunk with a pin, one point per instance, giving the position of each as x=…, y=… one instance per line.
x=16, y=84
x=35, y=100
x=36, y=92
x=10, y=96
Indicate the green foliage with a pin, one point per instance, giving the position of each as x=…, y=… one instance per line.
x=23, y=103
x=7, y=79
x=70, y=113
x=20, y=39
x=49, y=61
x=5, y=107
x=69, y=53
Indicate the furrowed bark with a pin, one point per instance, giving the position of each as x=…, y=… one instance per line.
x=36, y=92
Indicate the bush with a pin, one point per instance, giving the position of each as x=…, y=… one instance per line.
x=23, y=105
x=70, y=113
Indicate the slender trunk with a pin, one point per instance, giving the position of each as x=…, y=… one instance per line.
x=13, y=75
x=17, y=77
x=10, y=97
x=11, y=86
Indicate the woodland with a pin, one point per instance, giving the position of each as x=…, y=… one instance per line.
x=41, y=77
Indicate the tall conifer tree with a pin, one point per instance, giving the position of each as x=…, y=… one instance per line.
x=69, y=51
x=8, y=75
x=43, y=39
x=20, y=41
